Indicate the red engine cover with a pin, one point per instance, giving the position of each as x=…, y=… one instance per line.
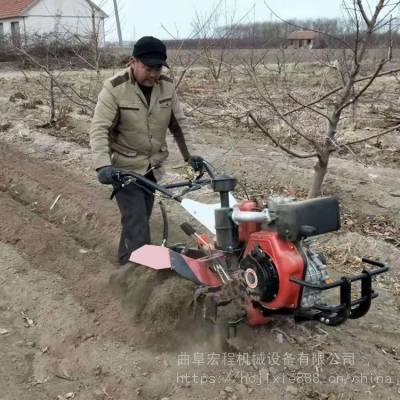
x=288, y=262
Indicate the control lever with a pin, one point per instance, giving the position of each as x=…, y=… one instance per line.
x=219, y=269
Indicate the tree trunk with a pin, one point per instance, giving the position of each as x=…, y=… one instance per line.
x=320, y=169
x=52, y=102
x=321, y=166
x=95, y=43
x=354, y=109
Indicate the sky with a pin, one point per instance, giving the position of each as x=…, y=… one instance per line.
x=148, y=17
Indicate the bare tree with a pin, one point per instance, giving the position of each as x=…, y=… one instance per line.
x=214, y=39
x=52, y=55
x=317, y=122
x=213, y=48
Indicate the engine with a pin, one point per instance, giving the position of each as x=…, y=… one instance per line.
x=261, y=280
x=260, y=276
x=316, y=273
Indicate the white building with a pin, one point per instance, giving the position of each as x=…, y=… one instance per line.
x=20, y=19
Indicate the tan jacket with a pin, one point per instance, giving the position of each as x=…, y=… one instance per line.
x=128, y=133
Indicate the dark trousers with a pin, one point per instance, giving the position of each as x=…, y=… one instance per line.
x=135, y=205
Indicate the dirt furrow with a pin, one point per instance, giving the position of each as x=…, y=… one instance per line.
x=76, y=241
x=86, y=275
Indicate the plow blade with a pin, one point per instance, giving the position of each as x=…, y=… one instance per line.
x=155, y=257
x=195, y=270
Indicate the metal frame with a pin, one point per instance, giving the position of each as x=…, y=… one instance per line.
x=353, y=309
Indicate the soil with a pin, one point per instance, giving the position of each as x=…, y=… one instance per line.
x=74, y=325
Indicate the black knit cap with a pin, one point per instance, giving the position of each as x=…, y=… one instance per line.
x=151, y=51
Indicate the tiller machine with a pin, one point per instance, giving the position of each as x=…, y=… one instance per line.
x=260, y=257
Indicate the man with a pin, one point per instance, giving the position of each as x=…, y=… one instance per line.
x=128, y=131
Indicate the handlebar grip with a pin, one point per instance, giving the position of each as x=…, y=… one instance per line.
x=373, y=262
x=116, y=176
x=188, y=229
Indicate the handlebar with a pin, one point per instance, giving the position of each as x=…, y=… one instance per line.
x=209, y=168
x=124, y=178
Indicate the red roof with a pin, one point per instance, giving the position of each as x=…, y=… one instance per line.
x=13, y=8
x=302, y=35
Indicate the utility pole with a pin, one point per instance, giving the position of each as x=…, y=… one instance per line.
x=117, y=21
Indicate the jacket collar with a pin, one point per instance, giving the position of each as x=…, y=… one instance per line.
x=136, y=86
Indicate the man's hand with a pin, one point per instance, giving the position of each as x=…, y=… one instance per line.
x=106, y=175
x=196, y=162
